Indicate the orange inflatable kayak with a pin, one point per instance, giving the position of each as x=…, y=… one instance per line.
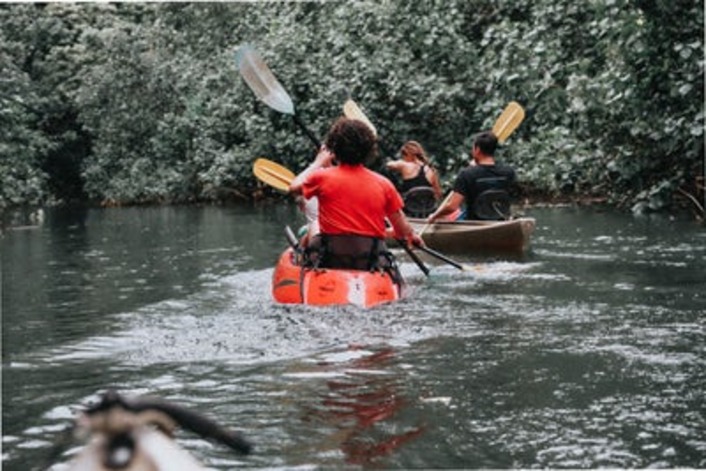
x=293, y=284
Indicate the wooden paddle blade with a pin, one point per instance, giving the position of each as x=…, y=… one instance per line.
x=353, y=111
x=273, y=174
x=261, y=80
x=507, y=122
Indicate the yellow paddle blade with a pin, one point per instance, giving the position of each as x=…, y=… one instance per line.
x=273, y=174
x=511, y=117
x=353, y=111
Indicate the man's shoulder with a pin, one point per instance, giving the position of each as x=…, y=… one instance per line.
x=488, y=169
x=506, y=169
x=472, y=171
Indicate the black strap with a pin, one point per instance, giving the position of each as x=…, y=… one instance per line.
x=347, y=252
x=492, y=205
x=320, y=254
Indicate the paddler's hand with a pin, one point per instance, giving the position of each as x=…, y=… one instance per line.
x=324, y=158
x=414, y=240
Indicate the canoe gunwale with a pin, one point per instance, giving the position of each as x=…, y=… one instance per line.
x=477, y=237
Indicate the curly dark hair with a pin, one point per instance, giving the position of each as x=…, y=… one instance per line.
x=351, y=141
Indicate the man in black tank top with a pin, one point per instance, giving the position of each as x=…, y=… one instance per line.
x=484, y=186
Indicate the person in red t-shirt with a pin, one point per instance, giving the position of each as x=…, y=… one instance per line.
x=353, y=200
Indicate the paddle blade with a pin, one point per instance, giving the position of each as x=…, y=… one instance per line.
x=507, y=122
x=353, y=111
x=261, y=80
x=273, y=174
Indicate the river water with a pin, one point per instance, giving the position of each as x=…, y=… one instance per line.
x=588, y=352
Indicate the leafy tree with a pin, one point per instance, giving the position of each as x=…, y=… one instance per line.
x=141, y=103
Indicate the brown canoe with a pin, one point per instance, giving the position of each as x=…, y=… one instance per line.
x=468, y=237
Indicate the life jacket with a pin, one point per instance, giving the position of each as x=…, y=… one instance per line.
x=350, y=252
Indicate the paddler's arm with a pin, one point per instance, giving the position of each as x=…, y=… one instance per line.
x=451, y=204
x=323, y=159
x=395, y=165
x=403, y=229
x=435, y=185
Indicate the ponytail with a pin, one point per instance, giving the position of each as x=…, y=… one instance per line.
x=415, y=148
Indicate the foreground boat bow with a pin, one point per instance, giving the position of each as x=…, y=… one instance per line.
x=137, y=435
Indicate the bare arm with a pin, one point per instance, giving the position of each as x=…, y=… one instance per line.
x=323, y=159
x=433, y=178
x=403, y=230
x=450, y=204
x=395, y=165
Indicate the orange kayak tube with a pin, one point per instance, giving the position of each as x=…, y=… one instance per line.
x=292, y=284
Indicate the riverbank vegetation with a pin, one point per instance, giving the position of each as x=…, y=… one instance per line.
x=142, y=103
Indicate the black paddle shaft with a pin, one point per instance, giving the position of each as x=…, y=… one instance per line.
x=414, y=257
x=307, y=131
x=442, y=257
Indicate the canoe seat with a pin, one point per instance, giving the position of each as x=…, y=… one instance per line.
x=492, y=205
x=419, y=202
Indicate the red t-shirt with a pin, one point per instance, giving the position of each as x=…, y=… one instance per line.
x=352, y=200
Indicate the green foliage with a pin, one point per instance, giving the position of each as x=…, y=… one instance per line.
x=136, y=103
x=21, y=148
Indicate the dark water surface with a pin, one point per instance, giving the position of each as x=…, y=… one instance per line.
x=588, y=352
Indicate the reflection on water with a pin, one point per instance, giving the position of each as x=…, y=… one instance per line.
x=587, y=352
x=358, y=396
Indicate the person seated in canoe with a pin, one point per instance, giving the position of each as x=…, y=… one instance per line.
x=485, y=185
x=420, y=187
x=353, y=202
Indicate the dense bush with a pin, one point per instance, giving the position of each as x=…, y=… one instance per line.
x=131, y=103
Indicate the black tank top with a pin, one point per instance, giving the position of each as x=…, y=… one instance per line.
x=419, y=180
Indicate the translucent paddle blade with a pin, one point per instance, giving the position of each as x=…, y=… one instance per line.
x=353, y=111
x=511, y=117
x=261, y=80
x=273, y=174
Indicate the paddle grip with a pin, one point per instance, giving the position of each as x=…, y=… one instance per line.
x=413, y=256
